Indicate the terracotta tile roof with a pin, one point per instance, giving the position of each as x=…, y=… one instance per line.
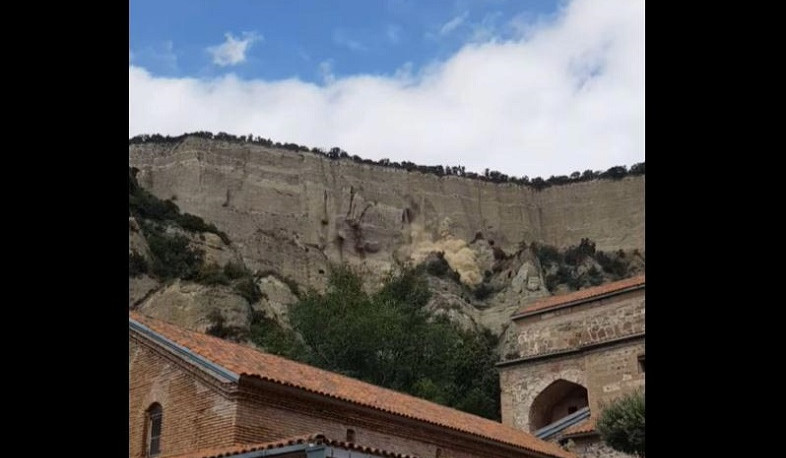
x=248, y=361
x=582, y=295
x=246, y=448
x=317, y=438
x=585, y=427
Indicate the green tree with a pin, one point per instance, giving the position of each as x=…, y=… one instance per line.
x=621, y=424
x=387, y=338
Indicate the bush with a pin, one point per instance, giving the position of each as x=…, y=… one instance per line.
x=211, y=274
x=137, y=264
x=234, y=271
x=621, y=424
x=547, y=254
x=612, y=264
x=144, y=205
x=221, y=330
x=173, y=256
x=483, y=291
x=574, y=255
x=248, y=288
x=439, y=267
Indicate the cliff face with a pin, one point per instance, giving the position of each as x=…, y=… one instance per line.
x=294, y=212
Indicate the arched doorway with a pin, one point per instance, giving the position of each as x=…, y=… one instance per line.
x=558, y=400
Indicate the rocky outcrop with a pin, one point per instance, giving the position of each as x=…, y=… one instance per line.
x=191, y=305
x=277, y=297
x=296, y=212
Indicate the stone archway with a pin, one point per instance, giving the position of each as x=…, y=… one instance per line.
x=559, y=399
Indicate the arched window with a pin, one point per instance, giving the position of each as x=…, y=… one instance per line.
x=153, y=420
x=350, y=435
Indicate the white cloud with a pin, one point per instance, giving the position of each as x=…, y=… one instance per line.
x=487, y=29
x=326, y=71
x=453, y=24
x=569, y=96
x=341, y=38
x=233, y=50
x=393, y=33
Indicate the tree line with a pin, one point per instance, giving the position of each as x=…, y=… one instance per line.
x=336, y=153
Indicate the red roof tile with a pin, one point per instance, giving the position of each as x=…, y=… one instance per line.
x=582, y=295
x=317, y=438
x=245, y=360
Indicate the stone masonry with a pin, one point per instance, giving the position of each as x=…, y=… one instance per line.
x=588, y=340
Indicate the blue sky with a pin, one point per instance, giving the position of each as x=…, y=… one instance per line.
x=292, y=38
x=530, y=88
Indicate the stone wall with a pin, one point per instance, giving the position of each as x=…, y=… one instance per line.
x=573, y=327
x=596, y=344
x=593, y=447
x=605, y=372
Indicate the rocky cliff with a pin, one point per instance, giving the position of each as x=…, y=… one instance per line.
x=294, y=212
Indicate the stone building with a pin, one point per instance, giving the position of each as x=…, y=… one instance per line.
x=575, y=353
x=194, y=395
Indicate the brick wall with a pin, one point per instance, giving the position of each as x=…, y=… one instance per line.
x=196, y=415
x=201, y=413
x=269, y=412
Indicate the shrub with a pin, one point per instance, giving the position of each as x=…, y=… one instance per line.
x=173, y=256
x=612, y=264
x=574, y=255
x=248, y=288
x=547, y=254
x=211, y=274
x=621, y=424
x=144, y=205
x=220, y=329
x=137, y=264
x=439, y=267
x=234, y=271
x=483, y=291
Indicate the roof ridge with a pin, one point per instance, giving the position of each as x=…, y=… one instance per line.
x=580, y=296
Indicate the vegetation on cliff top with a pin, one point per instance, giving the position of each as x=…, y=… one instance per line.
x=494, y=176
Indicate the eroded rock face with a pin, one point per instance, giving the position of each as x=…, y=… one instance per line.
x=140, y=288
x=190, y=305
x=295, y=212
x=276, y=300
